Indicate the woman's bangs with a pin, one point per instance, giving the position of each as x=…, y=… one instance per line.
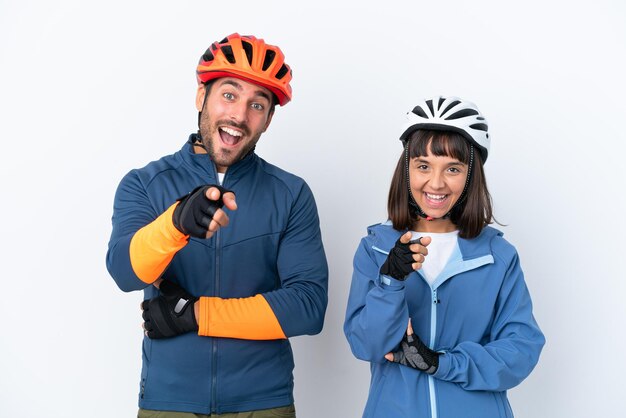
x=441, y=144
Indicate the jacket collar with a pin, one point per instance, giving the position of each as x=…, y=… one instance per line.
x=479, y=246
x=202, y=163
x=468, y=255
x=385, y=237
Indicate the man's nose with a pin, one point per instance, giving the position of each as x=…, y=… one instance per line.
x=239, y=112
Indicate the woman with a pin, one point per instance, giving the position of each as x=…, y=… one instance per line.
x=438, y=303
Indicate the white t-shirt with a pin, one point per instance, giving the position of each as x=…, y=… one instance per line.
x=439, y=251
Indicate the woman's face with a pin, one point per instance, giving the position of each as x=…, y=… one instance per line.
x=436, y=183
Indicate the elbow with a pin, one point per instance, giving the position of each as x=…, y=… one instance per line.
x=121, y=271
x=316, y=322
x=123, y=281
x=315, y=329
x=367, y=354
x=317, y=313
x=127, y=288
x=310, y=323
x=364, y=349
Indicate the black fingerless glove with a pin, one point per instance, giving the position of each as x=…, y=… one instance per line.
x=171, y=313
x=399, y=261
x=195, y=211
x=414, y=353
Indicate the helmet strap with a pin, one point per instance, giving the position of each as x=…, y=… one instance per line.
x=412, y=203
x=207, y=87
x=470, y=167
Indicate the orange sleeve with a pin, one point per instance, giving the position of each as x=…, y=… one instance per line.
x=153, y=246
x=246, y=318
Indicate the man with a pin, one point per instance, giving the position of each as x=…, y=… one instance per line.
x=233, y=244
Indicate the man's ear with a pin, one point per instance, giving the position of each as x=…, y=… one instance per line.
x=200, y=97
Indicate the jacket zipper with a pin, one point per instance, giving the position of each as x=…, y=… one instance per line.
x=216, y=293
x=431, y=344
x=214, y=342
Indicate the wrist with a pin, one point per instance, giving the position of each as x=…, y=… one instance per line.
x=391, y=282
x=201, y=309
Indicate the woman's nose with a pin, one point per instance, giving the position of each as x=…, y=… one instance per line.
x=436, y=181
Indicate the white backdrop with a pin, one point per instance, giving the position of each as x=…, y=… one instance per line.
x=90, y=90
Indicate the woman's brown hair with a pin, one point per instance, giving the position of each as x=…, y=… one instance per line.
x=472, y=214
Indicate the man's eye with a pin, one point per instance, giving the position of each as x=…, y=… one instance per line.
x=257, y=106
x=229, y=96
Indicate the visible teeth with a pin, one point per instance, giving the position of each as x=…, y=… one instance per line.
x=231, y=131
x=436, y=196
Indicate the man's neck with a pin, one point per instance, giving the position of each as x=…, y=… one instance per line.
x=199, y=149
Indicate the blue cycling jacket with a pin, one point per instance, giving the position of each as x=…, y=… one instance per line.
x=478, y=312
x=272, y=247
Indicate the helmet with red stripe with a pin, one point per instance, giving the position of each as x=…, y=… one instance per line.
x=250, y=59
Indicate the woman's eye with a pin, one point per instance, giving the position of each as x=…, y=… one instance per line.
x=422, y=167
x=455, y=170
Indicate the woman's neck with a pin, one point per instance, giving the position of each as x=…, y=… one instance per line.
x=436, y=225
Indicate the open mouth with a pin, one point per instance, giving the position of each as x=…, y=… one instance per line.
x=230, y=136
x=435, y=200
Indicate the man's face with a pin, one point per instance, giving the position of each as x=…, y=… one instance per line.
x=235, y=115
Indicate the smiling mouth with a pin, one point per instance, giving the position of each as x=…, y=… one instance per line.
x=435, y=200
x=230, y=136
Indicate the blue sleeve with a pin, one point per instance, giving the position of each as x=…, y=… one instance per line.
x=377, y=314
x=515, y=342
x=300, y=303
x=132, y=210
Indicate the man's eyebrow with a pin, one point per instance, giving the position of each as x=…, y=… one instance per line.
x=261, y=93
x=238, y=86
x=232, y=83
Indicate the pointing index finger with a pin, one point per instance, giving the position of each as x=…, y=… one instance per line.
x=419, y=245
x=213, y=193
x=404, y=239
x=229, y=200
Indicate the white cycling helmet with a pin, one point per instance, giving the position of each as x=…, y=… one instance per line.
x=450, y=114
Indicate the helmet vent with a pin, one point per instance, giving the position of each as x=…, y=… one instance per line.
x=441, y=113
x=479, y=126
x=450, y=106
x=250, y=59
x=462, y=113
x=430, y=106
x=208, y=55
x=281, y=73
x=269, y=58
x=248, y=48
x=228, y=53
x=420, y=112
